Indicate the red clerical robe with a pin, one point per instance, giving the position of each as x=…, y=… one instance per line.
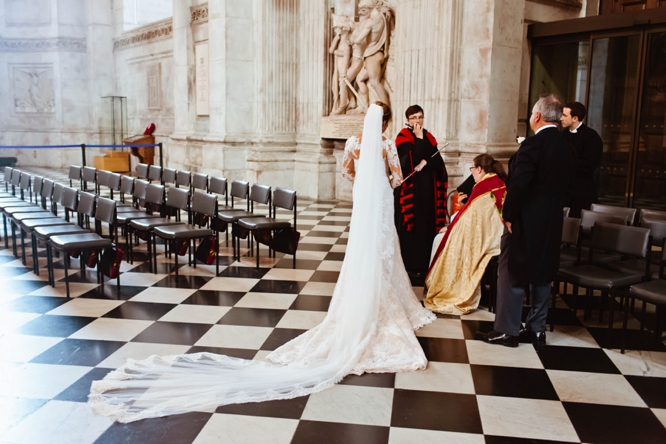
x=420, y=202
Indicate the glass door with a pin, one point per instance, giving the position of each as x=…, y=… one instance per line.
x=612, y=105
x=649, y=184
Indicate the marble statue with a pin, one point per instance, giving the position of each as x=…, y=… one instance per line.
x=362, y=74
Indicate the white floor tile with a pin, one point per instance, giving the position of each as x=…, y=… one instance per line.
x=239, y=429
x=351, y=404
x=235, y=336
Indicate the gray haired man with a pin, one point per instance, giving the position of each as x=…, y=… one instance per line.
x=539, y=174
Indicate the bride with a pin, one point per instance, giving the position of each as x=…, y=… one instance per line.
x=368, y=328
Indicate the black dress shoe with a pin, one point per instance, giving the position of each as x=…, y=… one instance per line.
x=525, y=336
x=495, y=337
x=529, y=337
x=539, y=338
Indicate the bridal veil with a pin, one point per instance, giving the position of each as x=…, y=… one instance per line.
x=159, y=386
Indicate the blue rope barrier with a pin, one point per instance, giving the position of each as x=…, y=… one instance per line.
x=38, y=146
x=139, y=145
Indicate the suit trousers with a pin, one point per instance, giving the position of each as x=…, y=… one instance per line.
x=510, y=296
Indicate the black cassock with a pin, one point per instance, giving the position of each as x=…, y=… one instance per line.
x=420, y=202
x=582, y=192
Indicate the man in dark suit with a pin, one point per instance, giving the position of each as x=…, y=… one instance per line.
x=539, y=175
x=587, y=144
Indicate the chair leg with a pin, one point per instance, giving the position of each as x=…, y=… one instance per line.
x=193, y=258
x=624, y=324
x=176, y=257
x=22, y=245
x=153, y=259
x=604, y=298
x=575, y=300
x=49, y=265
x=4, y=226
x=217, y=253
x=553, y=298
x=658, y=329
x=35, y=259
x=66, y=260
x=257, y=242
x=14, y=249
x=642, y=320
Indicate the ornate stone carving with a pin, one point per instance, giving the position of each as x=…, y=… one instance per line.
x=42, y=45
x=361, y=51
x=199, y=14
x=158, y=31
x=33, y=88
x=154, y=77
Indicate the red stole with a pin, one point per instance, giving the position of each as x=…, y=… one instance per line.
x=440, y=183
x=492, y=184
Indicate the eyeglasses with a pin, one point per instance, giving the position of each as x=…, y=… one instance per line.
x=416, y=118
x=473, y=168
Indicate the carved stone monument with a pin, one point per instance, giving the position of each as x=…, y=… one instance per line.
x=361, y=55
x=33, y=88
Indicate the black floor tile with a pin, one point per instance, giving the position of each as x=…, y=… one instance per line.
x=146, y=311
x=634, y=340
x=315, y=233
x=511, y=440
x=172, y=429
x=385, y=380
x=215, y=298
x=335, y=257
x=20, y=286
x=444, y=349
x=471, y=327
x=17, y=410
x=301, y=264
x=313, y=247
x=436, y=411
x=335, y=223
x=576, y=359
x=280, y=336
x=318, y=432
x=274, y=286
x=10, y=272
x=255, y=317
x=342, y=241
x=79, y=391
x=609, y=424
x=183, y=281
x=286, y=408
x=55, y=326
x=162, y=268
x=311, y=303
x=83, y=352
x=512, y=382
x=173, y=333
x=563, y=316
x=241, y=353
x=325, y=276
x=651, y=389
x=244, y=272
x=34, y=304
x=109, y=291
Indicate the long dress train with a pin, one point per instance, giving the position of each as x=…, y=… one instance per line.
x=369, y=326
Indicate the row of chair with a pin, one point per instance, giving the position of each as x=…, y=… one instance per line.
x=602, y=252
x=140, y=217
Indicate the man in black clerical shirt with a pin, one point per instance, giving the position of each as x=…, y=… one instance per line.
x=582, y=192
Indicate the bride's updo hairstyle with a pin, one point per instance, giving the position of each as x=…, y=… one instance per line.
x=386, y=112
x=489, y=165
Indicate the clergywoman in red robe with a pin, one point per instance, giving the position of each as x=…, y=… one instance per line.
x=420, y=202
x=468, y=243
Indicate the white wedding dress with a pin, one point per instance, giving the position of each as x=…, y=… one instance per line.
x=369, y=326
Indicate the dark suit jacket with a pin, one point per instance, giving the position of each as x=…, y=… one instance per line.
x=539, y=175
x=588, y=147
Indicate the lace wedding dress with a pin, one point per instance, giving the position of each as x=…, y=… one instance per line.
x=369, y=326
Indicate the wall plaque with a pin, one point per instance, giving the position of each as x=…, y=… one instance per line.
x=154, y=77
x=202, y=80
x=33, y=88
x=341, y=127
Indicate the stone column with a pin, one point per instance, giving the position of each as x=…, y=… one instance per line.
x=183, y=54
x=314, y=164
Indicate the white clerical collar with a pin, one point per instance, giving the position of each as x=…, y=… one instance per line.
x=550, y=125
x=576, y=130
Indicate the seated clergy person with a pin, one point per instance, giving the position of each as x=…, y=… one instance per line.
x=468, y=244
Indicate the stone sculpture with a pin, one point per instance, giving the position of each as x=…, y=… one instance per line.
x=362, y=74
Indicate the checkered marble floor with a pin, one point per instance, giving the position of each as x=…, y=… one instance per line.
x=578, y=388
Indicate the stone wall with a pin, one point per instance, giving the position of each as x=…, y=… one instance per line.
x=238, y=88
